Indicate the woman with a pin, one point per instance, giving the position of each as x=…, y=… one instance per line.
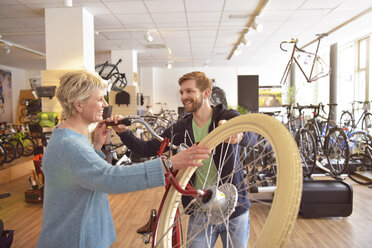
x=76, y=211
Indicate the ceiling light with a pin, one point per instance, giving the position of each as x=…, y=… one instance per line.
x=206, y=63
x=148, y=37
x=6, y=48
x=67, y=3
x=169, y=65
x=169, y=51
x=237, y=52
x=257, y=26
x=246, y=42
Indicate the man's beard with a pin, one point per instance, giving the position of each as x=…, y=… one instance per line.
x=196, y=104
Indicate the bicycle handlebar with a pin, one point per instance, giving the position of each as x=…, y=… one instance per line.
x=136, y=119
x=284, y=42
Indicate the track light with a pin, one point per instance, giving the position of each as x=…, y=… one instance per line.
x=257, y=26
x=169, y=65
x=148, y=37
x=67, y=3
x=237, y=52
x=246, y=42
x=6, y=48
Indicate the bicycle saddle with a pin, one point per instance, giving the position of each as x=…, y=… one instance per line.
x=150, y=225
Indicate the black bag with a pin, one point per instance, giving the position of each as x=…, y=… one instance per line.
x=46, y=91
x=326, y=198
x=122, y=97
x=6, y=238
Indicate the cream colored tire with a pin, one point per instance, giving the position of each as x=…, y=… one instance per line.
x=285, y=205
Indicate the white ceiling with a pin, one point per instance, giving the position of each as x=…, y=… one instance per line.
x=196, y=31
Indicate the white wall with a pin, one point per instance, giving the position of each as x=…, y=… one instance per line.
x=19, y=82
x=162, y=84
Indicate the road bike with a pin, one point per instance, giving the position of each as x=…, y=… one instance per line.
x=304, y=138
x=348, y=120
x=317, y=61
x=332, y=142
x=218, y=201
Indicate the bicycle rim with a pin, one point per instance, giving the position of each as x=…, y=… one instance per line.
x=11, y=151
x=28, y=146
x=286, y=166
x=19, y=147
x=3, y=154
x=308, y=151
x=367, y=123
x=337, y=151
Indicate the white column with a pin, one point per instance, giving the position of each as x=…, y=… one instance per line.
x=69, y=38
x=128, y=64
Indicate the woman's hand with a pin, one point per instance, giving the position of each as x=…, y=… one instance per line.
x=100, y=135
x=118, y=128
x=192, y=156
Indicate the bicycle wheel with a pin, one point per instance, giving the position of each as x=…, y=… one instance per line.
x=28, y=146
x=24, y=119
x=11, y=151
x=3, y=154
x=308, y=151
x=284, y=208
x=346, y=120
x=367, y=123
x=358, y=141
x=336, y=149
x=18, y=146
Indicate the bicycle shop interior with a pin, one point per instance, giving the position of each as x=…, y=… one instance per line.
x=306, y=63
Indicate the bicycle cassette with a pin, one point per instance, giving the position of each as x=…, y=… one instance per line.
x=219, y=203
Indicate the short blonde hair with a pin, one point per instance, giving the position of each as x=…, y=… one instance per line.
x=202, y=81
x=77, y=86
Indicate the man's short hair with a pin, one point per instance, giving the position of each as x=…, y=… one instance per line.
x=202, y=81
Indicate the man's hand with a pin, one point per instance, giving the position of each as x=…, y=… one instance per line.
x=233, y=139
x=118, y=128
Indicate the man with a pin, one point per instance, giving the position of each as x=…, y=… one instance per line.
x=195, y=89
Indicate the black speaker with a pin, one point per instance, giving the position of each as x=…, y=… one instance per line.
x=248, y=92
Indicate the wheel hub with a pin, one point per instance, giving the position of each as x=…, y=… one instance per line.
x=219, y=203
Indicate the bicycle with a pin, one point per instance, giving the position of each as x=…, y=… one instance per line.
x=360, y=153
x=110, y=72
x=3, y=154
x=316, y=60
x=332, y=142
x=347, y=119
x=219, y=201
x=8, y=153
x=304, y=138
x=27, y=142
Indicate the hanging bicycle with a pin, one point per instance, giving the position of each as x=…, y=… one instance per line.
x=316, y=64
x=110, y=72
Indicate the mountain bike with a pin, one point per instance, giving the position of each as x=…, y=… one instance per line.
x=348, y=120
x=220, y=200
x=297, y=53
